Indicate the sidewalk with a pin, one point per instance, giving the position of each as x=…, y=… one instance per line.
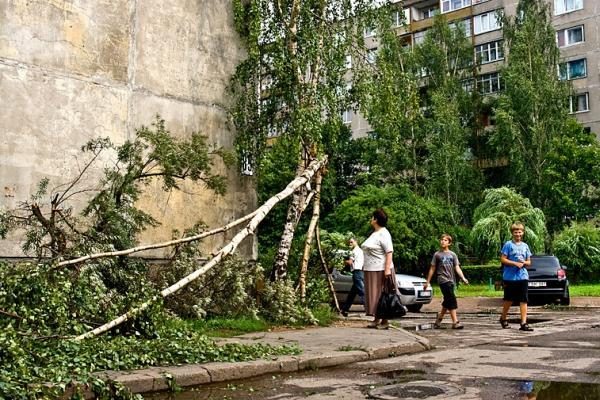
x=321, y=348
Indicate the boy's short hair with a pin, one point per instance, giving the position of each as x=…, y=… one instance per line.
x=446, y=236
x=517, y=225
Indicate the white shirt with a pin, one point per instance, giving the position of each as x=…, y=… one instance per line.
x=375, y=249
x=358, y=258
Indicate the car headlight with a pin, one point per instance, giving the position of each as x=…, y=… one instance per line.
x=405, y=284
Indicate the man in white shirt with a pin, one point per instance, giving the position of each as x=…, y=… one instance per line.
x=356, y=261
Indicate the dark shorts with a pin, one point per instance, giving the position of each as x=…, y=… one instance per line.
x=449, y=301
x=515, y=291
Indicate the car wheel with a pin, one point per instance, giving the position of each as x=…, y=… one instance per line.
x=414, y=307
x=566, y=299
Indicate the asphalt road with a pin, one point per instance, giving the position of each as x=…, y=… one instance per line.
x=559, y=360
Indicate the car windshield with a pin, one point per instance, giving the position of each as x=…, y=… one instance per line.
x=545, y=262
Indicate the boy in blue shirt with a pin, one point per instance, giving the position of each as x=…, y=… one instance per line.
x=515, y=258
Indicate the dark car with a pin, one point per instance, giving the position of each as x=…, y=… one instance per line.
x=548, y=281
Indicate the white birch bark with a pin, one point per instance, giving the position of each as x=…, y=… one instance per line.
x=310, y=236
x=260, y=214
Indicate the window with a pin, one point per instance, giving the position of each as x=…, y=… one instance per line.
x=372, y=55
x=347, y=116
x=468, y=85
x=246, y=166
x=419, y=37
x=489, y=52
x=369, y=31
x=572, y=69
x=489, y=83
x=400, y=17
x=570, y=36
x=579, y=103
x=466, y=24
x=565, y=6
x=348, y=63
x=429, y=12
x=486, y=22
x=451, y=5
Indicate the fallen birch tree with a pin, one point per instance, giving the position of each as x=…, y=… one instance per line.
x=228, y=249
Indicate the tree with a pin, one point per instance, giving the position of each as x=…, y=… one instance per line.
x=446, y=57
x=293, y=83
x=571, y=179
x=492, y=220
x=578, y=247
x=533, y=109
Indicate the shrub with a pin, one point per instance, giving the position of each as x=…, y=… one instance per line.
x=578, y=247
x=493, y=218
x=281, y=305
x=482, y=273
x=415, y=223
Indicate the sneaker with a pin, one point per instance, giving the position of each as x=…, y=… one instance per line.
x=457, y=325
x=438, y=322
x=525, y=327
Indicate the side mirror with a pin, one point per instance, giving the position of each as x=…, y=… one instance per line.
x=564, y=267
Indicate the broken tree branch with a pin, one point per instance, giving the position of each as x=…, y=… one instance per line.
x=260, y=214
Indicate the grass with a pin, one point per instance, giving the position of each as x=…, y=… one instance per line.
x=482, y=290
x=227, y=327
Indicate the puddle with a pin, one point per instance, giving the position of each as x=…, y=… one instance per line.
x=540, y=390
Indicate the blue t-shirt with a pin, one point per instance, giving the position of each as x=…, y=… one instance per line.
x=515, y=252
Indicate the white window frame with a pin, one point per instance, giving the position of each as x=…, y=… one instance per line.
x=567, y=76
x=348, y=62
x=488, y=48
x=369, y=32
x=574, y=100
x=372, y=55
x=486, y=81
x=566, y=6
x=486, y=22
x=466, y=23
x=347, y=116
x=419, y=37
x=565, y=34
x=429, y=12
x=447, y=6
x=401, y=17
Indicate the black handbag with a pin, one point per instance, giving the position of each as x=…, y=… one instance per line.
x=389, y=305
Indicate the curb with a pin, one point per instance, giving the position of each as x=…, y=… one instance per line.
x=157, y=379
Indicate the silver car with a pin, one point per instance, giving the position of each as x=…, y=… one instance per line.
x=411, y=290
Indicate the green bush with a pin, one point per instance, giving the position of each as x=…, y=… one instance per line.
x=415, y=223
x=482, y=273
x=578, y=247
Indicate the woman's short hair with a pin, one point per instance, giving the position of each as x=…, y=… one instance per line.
x=381, y=217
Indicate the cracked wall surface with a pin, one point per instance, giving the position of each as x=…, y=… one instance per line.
x=73, y=70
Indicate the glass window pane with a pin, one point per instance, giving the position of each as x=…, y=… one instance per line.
x=575, y=35
x=560, y=38
x=577, y=69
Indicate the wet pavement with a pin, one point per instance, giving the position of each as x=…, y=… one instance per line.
x=559, y=360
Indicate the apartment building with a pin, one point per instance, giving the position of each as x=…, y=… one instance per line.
x=577, y=36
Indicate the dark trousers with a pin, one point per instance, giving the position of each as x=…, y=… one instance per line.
x=358, y=288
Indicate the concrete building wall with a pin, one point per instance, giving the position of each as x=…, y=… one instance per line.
x=73, y=70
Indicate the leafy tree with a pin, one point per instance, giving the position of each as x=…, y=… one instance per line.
x=571, y=179
x=293, y=84
x=492, y=220
x=415, y=223
x=578, y=247
x=446, y=57
x=533, y=109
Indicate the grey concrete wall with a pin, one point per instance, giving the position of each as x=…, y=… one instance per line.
x=72, y=70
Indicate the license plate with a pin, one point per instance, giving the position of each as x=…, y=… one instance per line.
x=425, y=293
x=537, y=284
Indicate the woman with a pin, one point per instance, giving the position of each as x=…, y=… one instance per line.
x=377, y=264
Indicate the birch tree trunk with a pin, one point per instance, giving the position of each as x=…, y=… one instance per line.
x=295, y=210
x=310, y=235
x=261, y=212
